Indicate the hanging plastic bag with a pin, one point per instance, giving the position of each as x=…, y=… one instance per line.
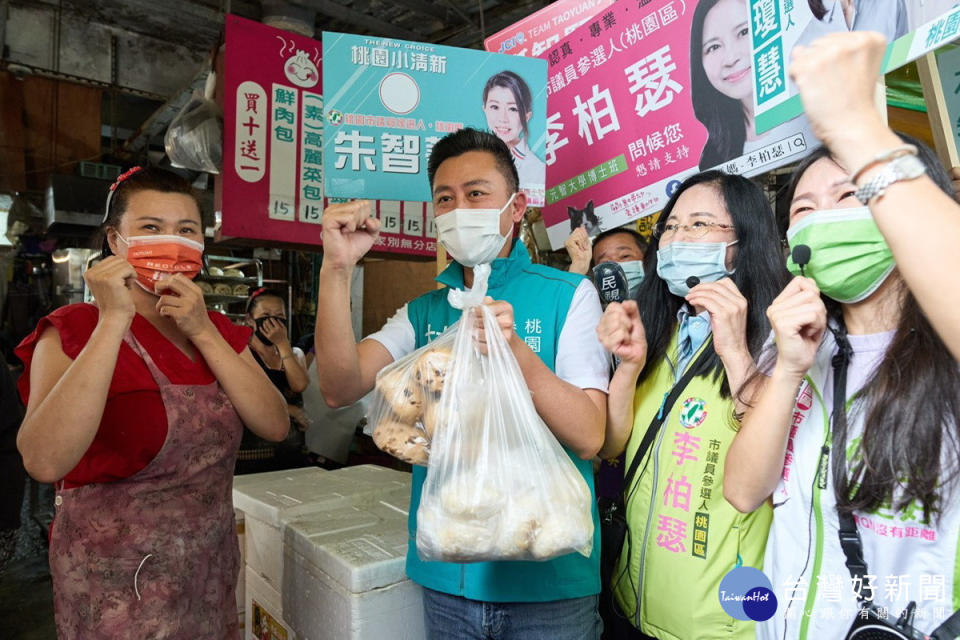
x=194, y=139
x=499, y=486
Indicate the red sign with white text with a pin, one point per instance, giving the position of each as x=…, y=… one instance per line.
x=272, y=178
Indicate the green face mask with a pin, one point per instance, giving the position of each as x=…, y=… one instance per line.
x=849, y=259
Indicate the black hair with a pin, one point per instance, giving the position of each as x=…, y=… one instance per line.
x=817, y=9
x=521, y=94
x=466, y=140
x=134, y=181
x=719, y=113
x=258, y=295
x=759, y=271
x=637, y=238
x=910, y=404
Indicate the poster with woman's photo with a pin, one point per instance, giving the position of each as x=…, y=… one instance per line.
x=395, y=99
x=911, y=27
x=640, y=98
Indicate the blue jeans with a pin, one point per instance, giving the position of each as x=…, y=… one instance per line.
x=450, y=617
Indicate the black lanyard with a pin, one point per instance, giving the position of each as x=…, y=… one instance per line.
x=669, y=399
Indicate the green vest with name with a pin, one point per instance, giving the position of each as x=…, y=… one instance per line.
x=540, y=297
x=683, y=536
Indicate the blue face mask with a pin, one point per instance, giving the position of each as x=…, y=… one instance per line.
x=706, y=261
x=633, y=269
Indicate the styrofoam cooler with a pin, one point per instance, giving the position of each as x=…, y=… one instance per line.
x=344, y=574
x=270, y=500
x=263, y=619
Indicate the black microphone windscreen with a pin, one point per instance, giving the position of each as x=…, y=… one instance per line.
x=611, y=282
x=692, y=281
x=801, y=255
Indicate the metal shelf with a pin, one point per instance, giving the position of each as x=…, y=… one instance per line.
x=213, y=298
x=253, y=281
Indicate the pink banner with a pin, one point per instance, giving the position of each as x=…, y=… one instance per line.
x=630, y=115
x=271, y=187
x=620, y=117
x=539, y=31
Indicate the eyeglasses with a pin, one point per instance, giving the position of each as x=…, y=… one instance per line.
x=696, y=230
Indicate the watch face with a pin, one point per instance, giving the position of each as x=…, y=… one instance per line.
x=909, y=167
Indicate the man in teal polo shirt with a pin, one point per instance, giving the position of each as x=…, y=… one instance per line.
x=548, y=318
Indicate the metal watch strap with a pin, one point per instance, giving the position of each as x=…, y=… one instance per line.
x=906, y=167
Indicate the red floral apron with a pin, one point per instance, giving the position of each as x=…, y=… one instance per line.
x=155, y=555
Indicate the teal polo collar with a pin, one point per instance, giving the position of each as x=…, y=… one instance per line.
x=501, y=269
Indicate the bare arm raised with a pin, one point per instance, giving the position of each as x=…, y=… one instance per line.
x=346, y=371
x=755, y=458
x=67, y=397
x=837, y=76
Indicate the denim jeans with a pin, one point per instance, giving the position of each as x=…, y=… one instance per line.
x=450, y=617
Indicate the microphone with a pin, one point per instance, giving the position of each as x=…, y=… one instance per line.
x=801, y=257
x=692, y=281
x=611, y=283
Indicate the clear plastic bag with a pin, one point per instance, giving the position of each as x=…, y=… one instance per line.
x=406, y=398
x=499, y=485
x=194, y=139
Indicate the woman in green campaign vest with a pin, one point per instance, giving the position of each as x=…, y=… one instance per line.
x=719, y=265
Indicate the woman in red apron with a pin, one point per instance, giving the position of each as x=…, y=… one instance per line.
x=135, y=408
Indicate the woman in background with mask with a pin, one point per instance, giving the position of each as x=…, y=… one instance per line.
x=287, y=369
x=135, y=408
x=714, y=266
x=858, y=364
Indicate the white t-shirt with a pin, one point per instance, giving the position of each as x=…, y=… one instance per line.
x=581, y=359
x=911, y=560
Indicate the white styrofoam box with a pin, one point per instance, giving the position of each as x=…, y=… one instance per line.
x=344, y=574
x=269, y=500
x=266, y=495
x=263, y=619
x=375, y=474
x=241, y=594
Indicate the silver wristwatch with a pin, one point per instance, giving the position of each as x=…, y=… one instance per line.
x=906, y=167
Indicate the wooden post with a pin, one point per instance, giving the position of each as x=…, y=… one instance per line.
x=937, y=110
x=441, y=261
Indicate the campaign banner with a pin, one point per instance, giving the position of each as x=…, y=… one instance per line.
x=948, y=67
x=777, y=26
x=633, y=112
x=392, y=100
x=271, y=186
x=539, y=31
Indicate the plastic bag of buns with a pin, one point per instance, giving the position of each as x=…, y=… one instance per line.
x=404, y=407
x=499, y=485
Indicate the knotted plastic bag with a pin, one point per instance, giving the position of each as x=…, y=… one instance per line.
x=499, y=485
x=194, y=139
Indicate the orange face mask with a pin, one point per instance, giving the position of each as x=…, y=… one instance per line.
x=154, y=257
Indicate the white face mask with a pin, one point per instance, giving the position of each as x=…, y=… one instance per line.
x=472, y=236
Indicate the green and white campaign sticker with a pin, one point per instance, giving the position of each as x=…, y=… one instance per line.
x=693, y=412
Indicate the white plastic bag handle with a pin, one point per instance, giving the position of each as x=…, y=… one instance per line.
x=472, y=297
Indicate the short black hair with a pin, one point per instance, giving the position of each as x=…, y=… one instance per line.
x=637, y=238
x=465, y=140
